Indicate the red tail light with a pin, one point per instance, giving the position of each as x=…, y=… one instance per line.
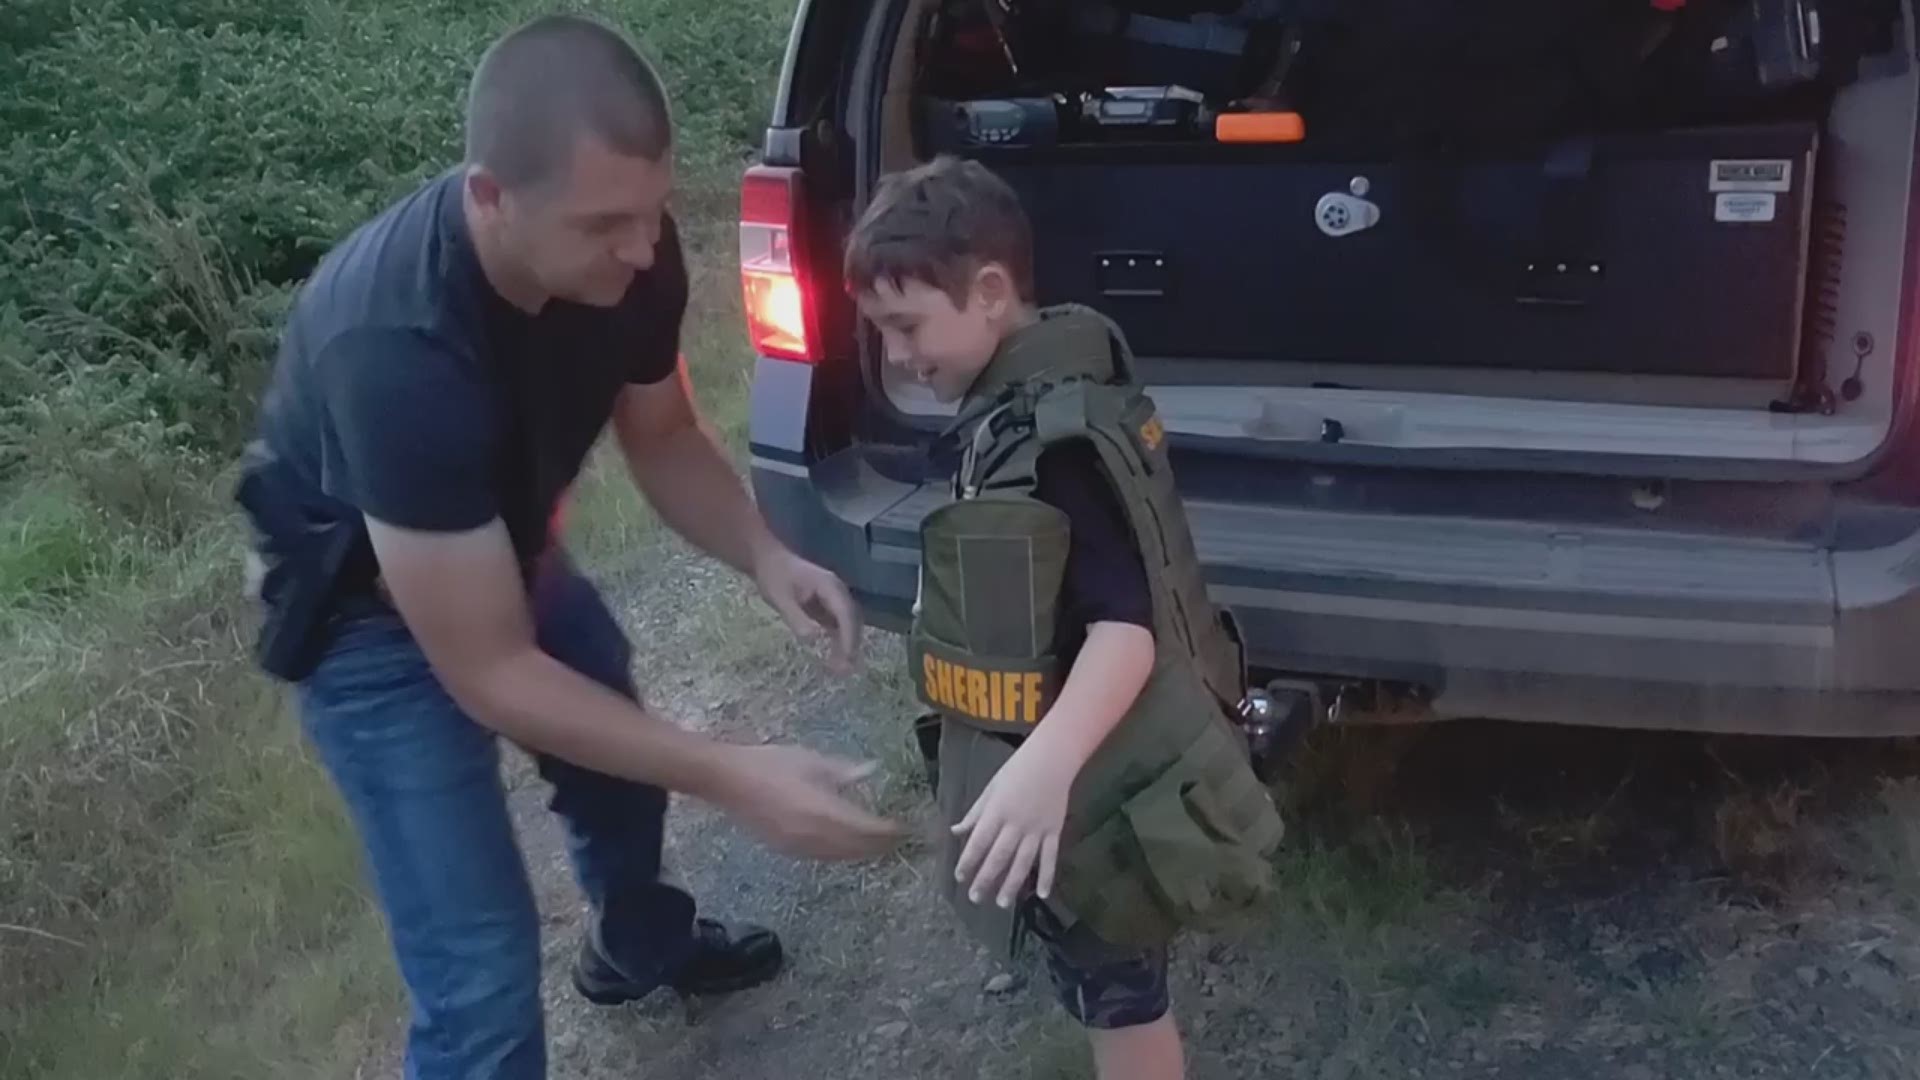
x=781, y=308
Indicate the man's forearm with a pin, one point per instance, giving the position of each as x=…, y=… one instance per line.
x=545, y=706
x=696, y=491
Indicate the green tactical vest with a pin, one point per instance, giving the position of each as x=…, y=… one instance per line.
x=1167, y=826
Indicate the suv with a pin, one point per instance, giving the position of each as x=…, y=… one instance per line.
x=1669, y=485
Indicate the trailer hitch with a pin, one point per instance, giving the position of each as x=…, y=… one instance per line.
x=1276, y=717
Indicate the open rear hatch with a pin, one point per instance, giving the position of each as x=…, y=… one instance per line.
x=1666, y=231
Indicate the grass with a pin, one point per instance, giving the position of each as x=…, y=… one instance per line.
x=175, y=864
x=49, y=542
x=1890, y=840
x=181, y=892
x=1359, y=911
x=1363, y=913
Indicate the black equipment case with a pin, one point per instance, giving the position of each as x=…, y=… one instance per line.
x=1668, y=253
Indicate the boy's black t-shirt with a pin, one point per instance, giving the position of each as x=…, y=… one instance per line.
x=408, y=390
x=1106, y=580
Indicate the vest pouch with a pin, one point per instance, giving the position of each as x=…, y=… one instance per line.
x=1206, y=867
x=1099, y=887
x=1197, y=840
x=990, y=575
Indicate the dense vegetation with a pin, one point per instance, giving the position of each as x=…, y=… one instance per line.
x=178, y=892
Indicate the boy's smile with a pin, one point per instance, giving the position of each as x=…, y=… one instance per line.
x=943, y=344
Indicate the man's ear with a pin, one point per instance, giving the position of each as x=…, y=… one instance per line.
x=485, y=188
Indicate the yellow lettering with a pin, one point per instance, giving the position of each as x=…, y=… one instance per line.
x=1002, y=697
x=977, y=693
x=1152, y=432
x=946, y=684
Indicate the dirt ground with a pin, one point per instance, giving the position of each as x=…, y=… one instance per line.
x=1460, y=900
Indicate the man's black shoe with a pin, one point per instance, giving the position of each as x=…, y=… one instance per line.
x=724, y=961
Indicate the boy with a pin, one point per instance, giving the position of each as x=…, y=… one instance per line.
x=1103, y=811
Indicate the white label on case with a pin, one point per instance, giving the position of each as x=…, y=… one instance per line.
x=1745, y=206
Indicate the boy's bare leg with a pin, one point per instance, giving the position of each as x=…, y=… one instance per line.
x=1147, y=1052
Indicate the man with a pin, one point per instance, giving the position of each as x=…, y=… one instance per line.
x=442, y=377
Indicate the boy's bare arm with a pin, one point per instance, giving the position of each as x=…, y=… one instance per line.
x=1107, y=676
x=1016, y=823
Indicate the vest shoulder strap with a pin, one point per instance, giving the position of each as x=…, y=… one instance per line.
x=1005, y=448
x=1116, y=420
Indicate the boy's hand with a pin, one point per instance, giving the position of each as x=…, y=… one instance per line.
x=1016, y=824
x=1019, y=816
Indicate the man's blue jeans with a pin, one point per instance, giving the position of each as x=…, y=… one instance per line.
x=421, y=781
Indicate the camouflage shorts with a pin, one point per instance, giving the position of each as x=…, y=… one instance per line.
x=1102, y=986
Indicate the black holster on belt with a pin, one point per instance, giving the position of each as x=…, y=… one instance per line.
x=307, y=547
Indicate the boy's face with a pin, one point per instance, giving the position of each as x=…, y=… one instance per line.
x=943, y=344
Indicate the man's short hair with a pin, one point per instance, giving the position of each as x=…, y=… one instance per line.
x=938, y=224
x=552, y=80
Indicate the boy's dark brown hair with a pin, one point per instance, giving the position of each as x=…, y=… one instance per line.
x=937, y=224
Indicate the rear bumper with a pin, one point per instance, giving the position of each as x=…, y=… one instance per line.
x=1521, y=621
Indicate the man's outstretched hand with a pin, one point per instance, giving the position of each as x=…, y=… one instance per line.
x=792, y=798
x=814, y=603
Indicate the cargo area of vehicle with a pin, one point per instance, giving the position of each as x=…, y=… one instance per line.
x=1685, y=271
